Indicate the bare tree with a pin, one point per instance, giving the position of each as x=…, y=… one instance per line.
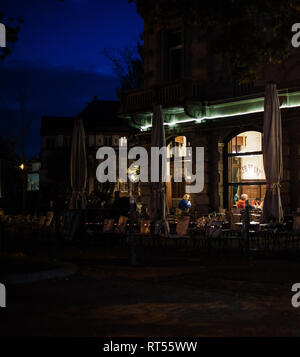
x=127, y=64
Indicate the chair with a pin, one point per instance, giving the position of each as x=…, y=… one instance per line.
x=214, y=229
x=198, y=232
x=108, y=225
x=145, y=225
x=49, y=219
x=182, y=226
x=182, y=231
x=121, y=225
x=296, y=224
x=235, y=218
x=42, y=221
x=120, y=230
x=145, y=233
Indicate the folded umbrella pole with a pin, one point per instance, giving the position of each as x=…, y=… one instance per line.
x=272, y=154
x=78, y=167
x=158, y=200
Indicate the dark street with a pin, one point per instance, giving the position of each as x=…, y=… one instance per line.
x=171, y=297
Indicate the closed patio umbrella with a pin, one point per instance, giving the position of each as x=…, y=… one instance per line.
x=78, y=167
x=272, y=155
x=158, y=201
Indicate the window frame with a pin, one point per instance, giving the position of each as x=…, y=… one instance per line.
x=227, y=155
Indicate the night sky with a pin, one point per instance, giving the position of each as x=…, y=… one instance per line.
x=57, y=61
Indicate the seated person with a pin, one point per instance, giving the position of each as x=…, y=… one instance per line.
x=235, y=199
x=242, y=202
x=185, y=204
x=256, y=203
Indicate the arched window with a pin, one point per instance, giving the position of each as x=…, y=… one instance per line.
x=245, y=169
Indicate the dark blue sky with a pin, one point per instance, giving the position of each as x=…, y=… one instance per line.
x=57, y=61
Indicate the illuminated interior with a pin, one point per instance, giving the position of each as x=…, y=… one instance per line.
x=176, y=190
x=246, y=173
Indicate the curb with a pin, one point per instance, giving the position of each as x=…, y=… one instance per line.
x=63, y=272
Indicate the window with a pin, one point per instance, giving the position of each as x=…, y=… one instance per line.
x=177, y=189
x=99, y=140
x=36, y=166
x=108, y=141
x=60, y=140
x=51, y=142
x=180, y=142
x=91, y=140
x=33, y=182
x=123, y=186
x=68, y=141
x=123, y=141
x=173, y=55
x=245, y=167
x=115, y=140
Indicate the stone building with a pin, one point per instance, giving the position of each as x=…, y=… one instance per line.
x=204, y=106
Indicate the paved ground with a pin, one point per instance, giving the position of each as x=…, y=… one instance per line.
x=197, y=296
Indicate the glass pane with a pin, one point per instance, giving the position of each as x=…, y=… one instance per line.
x=246, y=168
x=246, y=142
x=234, y=169
x=33, y=181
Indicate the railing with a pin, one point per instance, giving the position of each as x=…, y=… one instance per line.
x=176, y=93
x=171, y=94
x=144, y=98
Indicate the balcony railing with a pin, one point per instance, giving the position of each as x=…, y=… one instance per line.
x=176, y=93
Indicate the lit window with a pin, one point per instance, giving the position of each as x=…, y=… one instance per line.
x=245, y=167
x=180, y=142
x=33, y=182
x=123, y=141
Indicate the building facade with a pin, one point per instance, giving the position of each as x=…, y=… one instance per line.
x=204, y=106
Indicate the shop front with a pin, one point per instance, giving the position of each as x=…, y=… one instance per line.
x=231, y=133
